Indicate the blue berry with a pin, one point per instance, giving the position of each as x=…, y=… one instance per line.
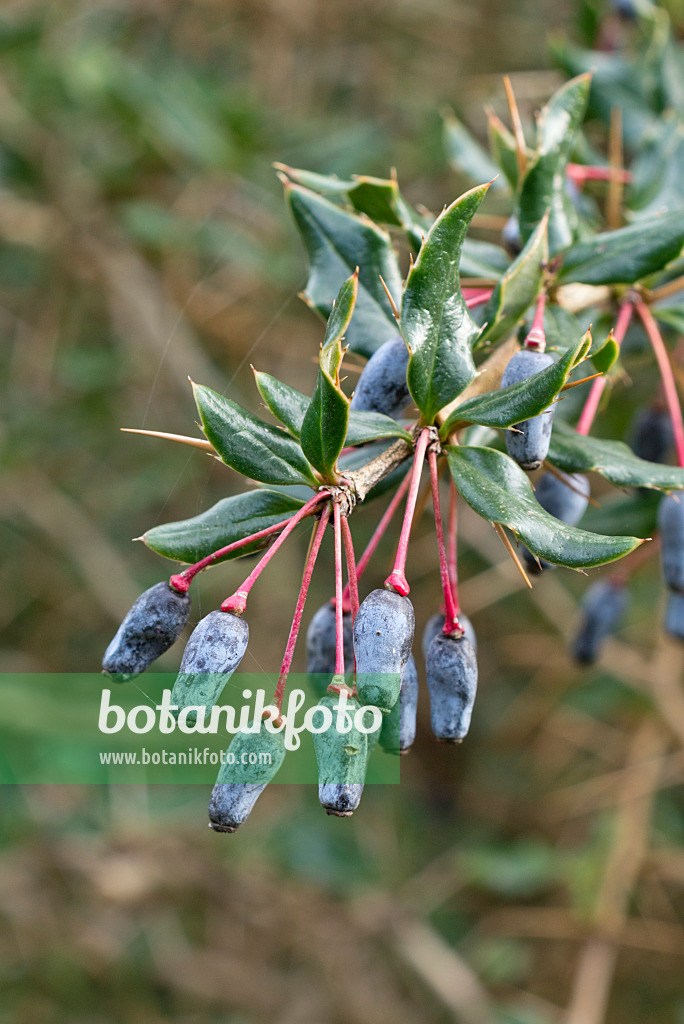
x=382, y=385
x=215, y=649
x=399, y=727
x=434, y=625
x=671, y=526
x=342, y=758
x=674, y=615
x=511, y=237
x=383, y=636
x=238, y=786
x=562, y=502
x=652, y=435
x=321, y=646
x=528, y=442
x=602, y=608
x=149, y=628
x=452, y=683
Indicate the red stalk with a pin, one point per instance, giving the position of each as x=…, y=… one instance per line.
x=397, y=578
x=536, y=339
x=299, y=609
x=451, y=623
x=352, y=577
x=339, y=621
x=237, y=602
x=594, y=397
x=378, y=534
x=667, y=376
x=474, y=297
x=182, y=580
x=579, y=173
x=451, y=551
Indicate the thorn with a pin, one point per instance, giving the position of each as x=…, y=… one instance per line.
x=389, y=297
x=512, y=552
x=576, y=383
x=192, y=442
x=520, y=144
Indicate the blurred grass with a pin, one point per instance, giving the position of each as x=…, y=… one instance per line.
x=143, y=239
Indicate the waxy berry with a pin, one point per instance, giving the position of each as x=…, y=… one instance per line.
x=149, y=628
x=452, y=682
x=511, y=237
x=674, y=615
x=383, y=636
x=435, y=624
x=382, y=385
x=215, y=649
x=652, y=435
x=342, y=759
x=602, y=608
x=321, y=644
x=671, y=526
x=399, y=727
x=564, y=501
x=239, y=785
x=528, y=442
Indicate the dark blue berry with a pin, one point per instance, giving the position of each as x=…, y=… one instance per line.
x=602, y=608
x=149, y=628
x=671, y=526
x=435, y=624
x=674, y=615
x=382, y=385
x=321, y=646
x=528, y=442
x=342, y=759
x=511, y=237
x=239, y=785
x=452, y=682
x=215, y=649
x=652, y=436
x=383, y=636
x=399, y=727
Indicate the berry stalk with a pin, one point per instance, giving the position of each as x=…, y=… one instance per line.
x=594, y=397
x=451, y=623
x=378, y=534
x=666, y=374
x=237, y=602
x=397, y=578
x=452, y=544
x=536, y=339
x=352, y=577
x=476, y=296
x=339, y=622
x=181, y=581
x=299, y=608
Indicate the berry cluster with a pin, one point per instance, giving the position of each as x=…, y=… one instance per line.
x=454, y=390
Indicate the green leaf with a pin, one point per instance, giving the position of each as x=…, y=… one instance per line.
x=324, y=426
x=286, y=403
x=248, y=445
x=626, y=255
x=290, y=406
x=372, y=426
x=543, y=187
x=435, y=320
x=517, y=402
x=466, y=155
x=499, y=490
x=483, y=259
x=614, y=460
x=605, y=356
x=518, y=288
x=337, y=241
x=229, y=520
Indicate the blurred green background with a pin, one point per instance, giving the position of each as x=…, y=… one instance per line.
x=533, y=876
